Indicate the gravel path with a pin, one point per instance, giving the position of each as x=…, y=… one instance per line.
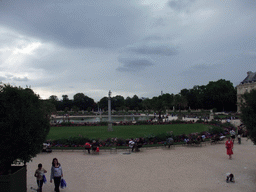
x=182, y=169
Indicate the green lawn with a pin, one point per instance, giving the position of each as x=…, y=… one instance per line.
x=124, y=132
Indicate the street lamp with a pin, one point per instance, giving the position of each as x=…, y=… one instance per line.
x=109, y=112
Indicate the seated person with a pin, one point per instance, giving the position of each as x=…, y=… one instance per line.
x=169, y=142
x=94, y=145
x=215, y=138
x=131, y=144
x=87, y=146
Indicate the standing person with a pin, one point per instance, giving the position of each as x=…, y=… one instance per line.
x=233, y=135
x=139, y=144
x=56, y=174
x=229, y=146
x=239, y=139
x=39, y=173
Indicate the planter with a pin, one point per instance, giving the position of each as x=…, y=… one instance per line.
x=16, y=181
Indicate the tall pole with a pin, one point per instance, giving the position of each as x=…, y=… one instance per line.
x=109, y=112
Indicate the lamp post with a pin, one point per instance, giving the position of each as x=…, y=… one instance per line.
x=109, y=112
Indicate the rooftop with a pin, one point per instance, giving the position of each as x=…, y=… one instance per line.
x=251, y=77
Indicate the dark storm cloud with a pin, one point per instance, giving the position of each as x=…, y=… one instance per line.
x=74, y=23
x=201, y=67
x=152, y=48
x=131, y=64
x=153, y=38
x=180, y=5
x=152, y=45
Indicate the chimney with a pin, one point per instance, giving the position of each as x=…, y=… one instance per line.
x=249, y=72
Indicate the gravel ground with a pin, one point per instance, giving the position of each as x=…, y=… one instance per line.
x=182, y=169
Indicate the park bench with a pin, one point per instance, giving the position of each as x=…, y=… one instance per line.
x=168, y=145
x=115, y=148
x=193, y=143
x=216, y=140
x=46, y=148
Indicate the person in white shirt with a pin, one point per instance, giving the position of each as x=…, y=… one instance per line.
x=233, y=135
x=230, y=177
x=131, y=144
x=39, y=174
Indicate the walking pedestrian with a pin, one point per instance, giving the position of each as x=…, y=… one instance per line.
x=229, y=147
x=56, y=174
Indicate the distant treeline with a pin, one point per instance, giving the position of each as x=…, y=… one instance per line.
x=220, y=95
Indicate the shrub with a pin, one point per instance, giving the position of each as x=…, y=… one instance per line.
x=216, y=130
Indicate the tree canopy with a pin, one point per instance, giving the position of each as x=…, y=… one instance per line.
x=219, y=95
x=248, y=113
x=24, y=125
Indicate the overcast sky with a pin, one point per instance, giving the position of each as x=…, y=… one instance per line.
x=142, y=47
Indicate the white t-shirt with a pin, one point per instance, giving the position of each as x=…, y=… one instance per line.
x=131, y=143
x=232, y=132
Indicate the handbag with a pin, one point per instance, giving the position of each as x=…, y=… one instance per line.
x=63, y=183
x=44, y=179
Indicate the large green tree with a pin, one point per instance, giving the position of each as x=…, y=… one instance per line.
x=24, y=125
x=248, y=113
x=117, y=102
x=195, y=96
x=103, y=103
x=158, y=105
x=220, y=94
x=79, y=101
x=180, y=101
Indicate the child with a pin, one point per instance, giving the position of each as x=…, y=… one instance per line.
x=230, y=177
x=39, y=176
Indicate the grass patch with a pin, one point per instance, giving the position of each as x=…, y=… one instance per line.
x=124, y=132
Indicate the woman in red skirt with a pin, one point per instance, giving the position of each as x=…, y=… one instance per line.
x=229, y=146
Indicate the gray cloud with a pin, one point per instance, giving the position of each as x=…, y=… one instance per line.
x=87, y=46
x=75, y=23
x=2, y=78
x=20, y=78
x=130, y=64
x=12, y=78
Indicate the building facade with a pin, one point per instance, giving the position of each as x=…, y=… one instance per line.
x=245, y=86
